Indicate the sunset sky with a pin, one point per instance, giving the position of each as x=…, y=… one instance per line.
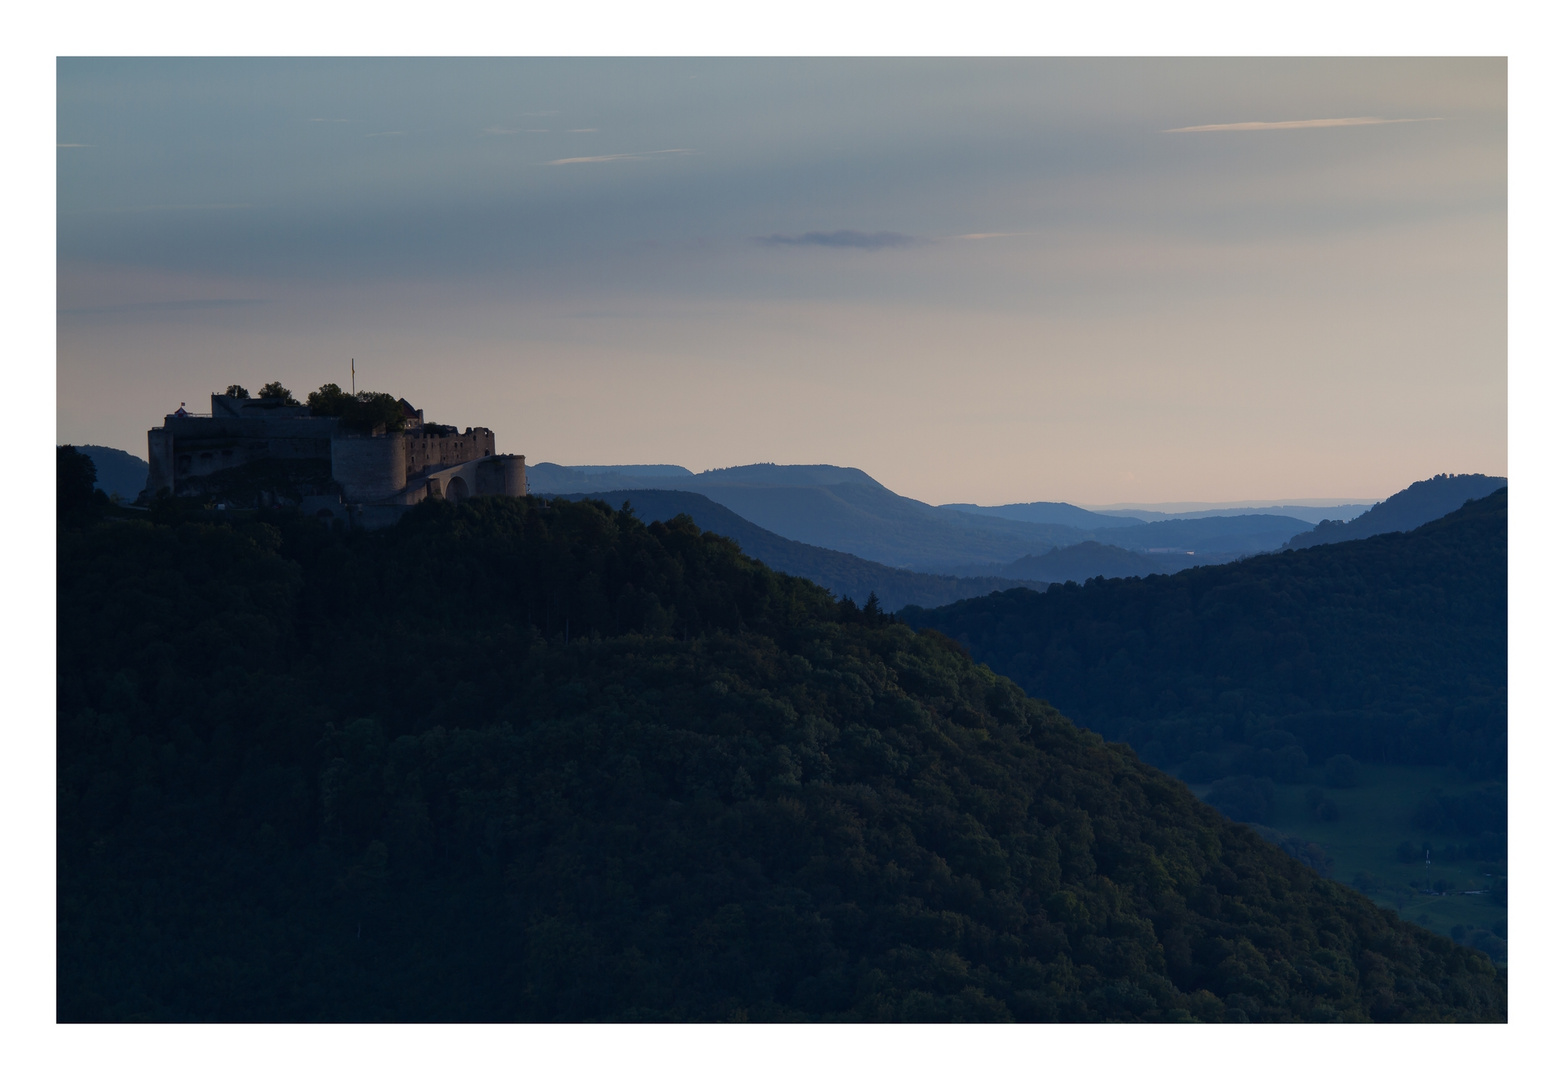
x=978, y=280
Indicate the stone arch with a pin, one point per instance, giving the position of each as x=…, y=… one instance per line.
x=456, y=489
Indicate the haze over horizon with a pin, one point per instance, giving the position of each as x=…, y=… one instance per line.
x=1097, y=282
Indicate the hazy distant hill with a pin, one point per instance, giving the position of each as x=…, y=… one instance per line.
x=878, y=524
x=547, y=478
x=1239, y=534
x=843, y=574
x=1049, y=513
x=837, y=508
x=847, y=510
x=1093, y=558
x=1311, y=514
x=1084, y=561
x=769, y=475
x=1416, y=505
x=1391, y=649
x=631, y=470
x=119, y=473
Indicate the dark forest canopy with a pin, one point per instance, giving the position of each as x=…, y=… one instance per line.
x=1391, y=649
x=309, y=775
x=78, y=500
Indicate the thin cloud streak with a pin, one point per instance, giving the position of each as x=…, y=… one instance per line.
x=586, y=160
x=71, y=145
x=616, y=157
x=1280, y=125
x=842, y=238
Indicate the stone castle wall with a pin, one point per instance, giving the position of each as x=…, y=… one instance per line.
x=186, y=447
x=428, y=450
x=370, y=468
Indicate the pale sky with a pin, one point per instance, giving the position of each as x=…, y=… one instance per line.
x=978, y=280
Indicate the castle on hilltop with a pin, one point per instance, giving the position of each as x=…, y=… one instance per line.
x=363, y=458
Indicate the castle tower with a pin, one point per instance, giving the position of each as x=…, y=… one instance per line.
x=502, y=474
x=369, y=467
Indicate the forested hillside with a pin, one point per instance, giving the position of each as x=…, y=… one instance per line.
x=519, y=760
x=1390, y=649
x=1414, y=505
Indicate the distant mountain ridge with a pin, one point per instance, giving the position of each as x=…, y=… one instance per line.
x=548, y=478
x=1048, y=513
x=1391, y=648
x=844, y=574
x=1084, y=561
x=847, y=510
x=1313, y=515
x=628, y=470
x=878, y=524
x=1413, y=506
x=772, y=475
x=1057, y=513
x=1242, y=534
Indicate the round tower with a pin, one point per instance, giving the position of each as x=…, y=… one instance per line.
x=370, y=468
x=502, y=474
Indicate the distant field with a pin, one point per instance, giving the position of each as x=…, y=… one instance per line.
x=1376, y=817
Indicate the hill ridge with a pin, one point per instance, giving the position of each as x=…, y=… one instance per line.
x=843, y=574
x=1415, y=505
x=1292, y=637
